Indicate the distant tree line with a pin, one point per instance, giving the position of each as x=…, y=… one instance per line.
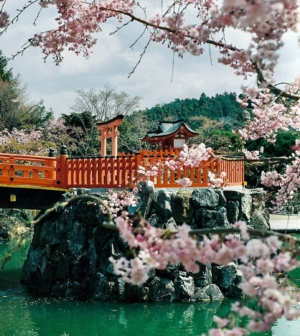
x=214, y=118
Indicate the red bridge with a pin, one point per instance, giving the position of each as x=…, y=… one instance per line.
x=36, y=182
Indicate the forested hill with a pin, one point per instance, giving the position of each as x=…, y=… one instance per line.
x=222, y=107
x=213, y=118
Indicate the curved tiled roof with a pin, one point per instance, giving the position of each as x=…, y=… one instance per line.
x=166, y=128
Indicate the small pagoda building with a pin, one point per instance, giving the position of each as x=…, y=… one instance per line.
x=169, y=135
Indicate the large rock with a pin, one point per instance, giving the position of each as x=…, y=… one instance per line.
x=182, y=208
x=185, y=285
x=205, y=197
x=146, y=197
x=100, y=288
x=233, y=211
x=208, y=293
x=200, y=295
x=258, y=221
x=225, y=275
x=205, y=218
x=248, y=200
x=133, y=293
x=222, y=219
x=245, y=208
x=70, y=252
x=222, y=198
x=162, y=204
x=162, y=289
x=235, y=194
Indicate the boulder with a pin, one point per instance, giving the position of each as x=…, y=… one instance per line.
x=225, y=275
x=214, y=292
x=100, y=288
x=259, y=222
x=182, y=208
x=205, y=218
x=245, y=208
x=222, y=219
x=146, y=197
x=185, y=285
x=134, y=293
x=70, y=252
x=200, y=295
x=170, y=272
x=162, y=289
x=162, y=204
x=233, y=211
x=205, y=197
x=222, y=198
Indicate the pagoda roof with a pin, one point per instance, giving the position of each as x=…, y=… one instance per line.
x=169, y=128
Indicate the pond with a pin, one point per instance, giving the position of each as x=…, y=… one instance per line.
x=21, y=314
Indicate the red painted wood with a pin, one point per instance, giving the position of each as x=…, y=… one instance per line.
x=109, y=172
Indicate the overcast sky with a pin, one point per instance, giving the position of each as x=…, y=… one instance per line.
x=113, y=59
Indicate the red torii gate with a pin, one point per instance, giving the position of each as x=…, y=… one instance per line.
x=109, y=129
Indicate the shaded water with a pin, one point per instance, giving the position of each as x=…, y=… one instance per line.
x=21, y=314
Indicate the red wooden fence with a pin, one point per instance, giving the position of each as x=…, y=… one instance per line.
x=108, y=172
x=29, y=170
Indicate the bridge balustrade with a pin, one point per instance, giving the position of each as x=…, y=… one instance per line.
x=28, y=170
x=109, y=172
x=101, y=172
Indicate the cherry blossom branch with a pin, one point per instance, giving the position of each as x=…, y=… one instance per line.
x=16, y=18
x=140, y=59
x=59, y=205
x=271, y=87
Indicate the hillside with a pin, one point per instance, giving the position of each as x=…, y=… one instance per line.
x=212, y=117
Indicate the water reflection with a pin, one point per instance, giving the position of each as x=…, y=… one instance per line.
x=50, y=317
x=20, y=314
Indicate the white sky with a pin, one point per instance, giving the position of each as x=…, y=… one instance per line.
x=112, y=60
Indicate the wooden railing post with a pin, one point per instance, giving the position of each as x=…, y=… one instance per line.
x=51, y=163
x=62, y=171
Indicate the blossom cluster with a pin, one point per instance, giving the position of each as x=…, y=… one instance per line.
x=21, y=136
x=192, y=156
x=286, y=184
x=269, y=117
x=34, y=141
x=118, y=201
x=260, y=263
x=189, y=157
x=188, y=30
x=216, y=182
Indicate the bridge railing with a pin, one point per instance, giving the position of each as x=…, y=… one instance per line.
x=121, y=171
x=100, y=172
x=108, y=172
x=28, y=170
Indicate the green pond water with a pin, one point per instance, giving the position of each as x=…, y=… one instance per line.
x=21, y=314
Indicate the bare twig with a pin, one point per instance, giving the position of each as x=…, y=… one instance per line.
x=72, y=200
x=37, y=16
x=2, y=7
x=140, y=58
x=9, y=255
x=16, y=18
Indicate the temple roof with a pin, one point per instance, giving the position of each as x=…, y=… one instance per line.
x=168, y=128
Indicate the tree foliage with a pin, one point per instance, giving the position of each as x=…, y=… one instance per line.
x=105, y=104
x=221, y=107
x=83, y=134
x=15, y=109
